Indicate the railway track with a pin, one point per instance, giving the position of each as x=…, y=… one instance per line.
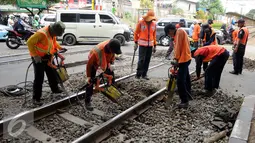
x=25, y=56
x=79, y=120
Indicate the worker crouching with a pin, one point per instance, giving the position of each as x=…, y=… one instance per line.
x=103, y=55
x=217, y=56
x=42, y=46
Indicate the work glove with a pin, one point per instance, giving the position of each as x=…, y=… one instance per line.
x=37, y=59
x=135, y=46
x=154, y=49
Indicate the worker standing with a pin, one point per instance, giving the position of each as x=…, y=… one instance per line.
x=182, y=55
x=195, y=34
x=235, y=34
x=145, y=37
x=35, y=22
x=172, y=40
x=42, y=45
x=217, y=56
x=103, y=55
x=239, y=47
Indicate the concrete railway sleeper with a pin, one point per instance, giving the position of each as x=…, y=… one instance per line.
x=30, y=117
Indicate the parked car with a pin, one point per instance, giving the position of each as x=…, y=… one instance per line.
x=47, y=19
x=164, y=40
x=91, y=26
x=3, y=31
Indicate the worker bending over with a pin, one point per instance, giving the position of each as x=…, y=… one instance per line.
x=239, y=47
x=182, y=55
x=103, y=55
x=217, y=56
x=145, y=37
x=42, y=46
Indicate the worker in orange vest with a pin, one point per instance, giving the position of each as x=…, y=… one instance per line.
x=145, y=37
x=239, y=47
x=182, y=55
x=195, y=34
x=235, y=34
x=42, y=45
x=181, y=23
x=217, y=56
x=101, y=56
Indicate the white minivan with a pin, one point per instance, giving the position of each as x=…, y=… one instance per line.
x=91, y=26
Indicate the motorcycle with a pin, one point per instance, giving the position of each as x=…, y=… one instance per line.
x=15, y=39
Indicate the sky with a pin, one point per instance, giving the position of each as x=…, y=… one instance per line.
x=240, y=6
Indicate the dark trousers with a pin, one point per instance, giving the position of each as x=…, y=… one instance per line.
x=39, y=69
x=238, y=60
x=214, y=70
x=89, y=89
x=143, y=60
x=183, y=81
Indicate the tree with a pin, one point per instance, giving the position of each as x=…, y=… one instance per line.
x=251, y=14
x=177, y=11
x=214, y=7
x=201, y=15
x=13, y=2
x=146, y=4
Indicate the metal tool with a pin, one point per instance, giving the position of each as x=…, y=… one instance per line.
x=133, y=61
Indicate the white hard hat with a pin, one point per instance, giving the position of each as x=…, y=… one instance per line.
x=23, y=16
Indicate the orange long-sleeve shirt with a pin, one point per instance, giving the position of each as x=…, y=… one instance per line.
x=93, y=62
x=196, y=31
x=39, y=37
x=182, y=47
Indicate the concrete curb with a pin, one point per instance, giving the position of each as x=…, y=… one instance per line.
x=77, y=63
x=241, y=130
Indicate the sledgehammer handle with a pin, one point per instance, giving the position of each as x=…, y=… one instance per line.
x=133, y=61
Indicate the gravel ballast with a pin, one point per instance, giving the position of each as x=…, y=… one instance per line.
x=166, y=125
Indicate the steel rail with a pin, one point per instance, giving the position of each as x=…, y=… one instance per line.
x=51, y=108
x=29, y=58
x=25, y=53
x=103, y=131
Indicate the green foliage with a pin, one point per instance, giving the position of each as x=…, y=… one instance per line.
x=146, y=4
x=214, y=7
x=201, y=15
x=251, y=13
x=128, y=15
x=177, y=11
x=217, y=25
x=13, y=2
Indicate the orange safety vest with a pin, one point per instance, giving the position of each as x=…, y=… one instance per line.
x=235, y=34
x=244, y=40
x=146, y=36
x=49, y=47
x=102, y=58
x=215, y=41
x=213, y=50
